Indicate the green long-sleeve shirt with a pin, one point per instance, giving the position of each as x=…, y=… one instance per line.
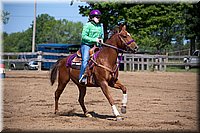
x=92, y=31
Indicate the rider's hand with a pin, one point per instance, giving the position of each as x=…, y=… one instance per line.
x=99, y=40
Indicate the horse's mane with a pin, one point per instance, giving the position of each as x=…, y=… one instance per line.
x=116, y=29
x=113, y=31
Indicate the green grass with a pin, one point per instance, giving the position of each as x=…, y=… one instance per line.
x=180, y=69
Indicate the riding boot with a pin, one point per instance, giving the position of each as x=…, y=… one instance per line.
x=83, y=80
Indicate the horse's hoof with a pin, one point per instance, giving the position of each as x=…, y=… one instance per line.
x=123, y=109
x=88, y=115
x=119, y=118
x=56, y=111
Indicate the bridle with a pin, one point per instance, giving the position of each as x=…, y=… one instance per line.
x=123, y=41
x=126, y=43
x=113, y=72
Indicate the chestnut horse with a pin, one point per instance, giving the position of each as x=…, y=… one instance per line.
x=105, y=72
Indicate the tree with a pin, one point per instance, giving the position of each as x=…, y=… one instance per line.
x=48, y=30
x=192, y=26
x=152, y=25
x=158, y=22
x=111, y=14
x=5, y=17
x=43, y=27
x=17, y=42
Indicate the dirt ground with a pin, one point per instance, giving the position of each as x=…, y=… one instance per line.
x=157, y=101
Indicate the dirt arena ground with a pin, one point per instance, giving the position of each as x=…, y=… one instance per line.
x=157, y=101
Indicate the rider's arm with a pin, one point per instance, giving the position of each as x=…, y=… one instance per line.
x=101, y=36
x=102, y=32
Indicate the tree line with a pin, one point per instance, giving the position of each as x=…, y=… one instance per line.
x=155, y=27
x=48, y=30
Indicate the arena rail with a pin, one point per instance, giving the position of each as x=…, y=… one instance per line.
x=130, y=62
x=141, y=62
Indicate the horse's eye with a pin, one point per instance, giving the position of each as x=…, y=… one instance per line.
x=125, y=36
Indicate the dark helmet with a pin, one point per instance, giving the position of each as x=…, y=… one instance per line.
x=95, y=13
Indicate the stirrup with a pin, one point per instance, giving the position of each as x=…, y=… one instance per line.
x=83, y=79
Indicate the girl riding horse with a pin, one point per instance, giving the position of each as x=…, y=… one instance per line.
x=103, y=71
x=92, y=34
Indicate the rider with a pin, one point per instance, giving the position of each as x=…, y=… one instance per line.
x=92, y=34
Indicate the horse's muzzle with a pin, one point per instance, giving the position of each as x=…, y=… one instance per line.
x=136, y=48
x=133, y=50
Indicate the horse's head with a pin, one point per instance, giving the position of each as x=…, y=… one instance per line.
x=127, y=42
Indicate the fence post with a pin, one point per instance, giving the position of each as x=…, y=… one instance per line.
x=160, y=62
x=166, y=61
x=129, y=64
x=138, y=64
x=125, y=67
x=147, y=64
x=142, y=60
x=133, y=63
x=39, y=60
x=156, y=63
x=8, y=63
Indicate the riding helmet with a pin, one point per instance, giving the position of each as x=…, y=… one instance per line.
x=95, y=13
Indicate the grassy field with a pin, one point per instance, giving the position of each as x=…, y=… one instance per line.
x=180, y=69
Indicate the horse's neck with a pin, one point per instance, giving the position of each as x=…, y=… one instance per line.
x=110, y=53
x=108, y=56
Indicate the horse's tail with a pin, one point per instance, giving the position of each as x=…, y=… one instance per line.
x=53, y=74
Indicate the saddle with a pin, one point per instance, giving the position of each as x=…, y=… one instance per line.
x=76, y=62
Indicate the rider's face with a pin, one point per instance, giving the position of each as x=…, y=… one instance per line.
x=96, y=19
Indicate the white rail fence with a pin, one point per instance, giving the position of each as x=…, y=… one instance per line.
x=130, y=62
x=141, y=62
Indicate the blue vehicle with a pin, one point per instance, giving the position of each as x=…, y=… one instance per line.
x=55, y=48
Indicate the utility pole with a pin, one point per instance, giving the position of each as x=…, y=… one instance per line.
x=34, y=28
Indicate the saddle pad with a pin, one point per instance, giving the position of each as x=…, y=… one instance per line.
x=69, y=60
x=71, y=63
x=76, y=65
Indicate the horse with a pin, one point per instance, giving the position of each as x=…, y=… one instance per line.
x=105, y=72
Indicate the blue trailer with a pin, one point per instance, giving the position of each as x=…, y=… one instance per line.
x=55, y=48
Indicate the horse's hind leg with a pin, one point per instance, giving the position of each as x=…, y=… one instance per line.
x=63, y=79
x=82, y=92
x=118, y=85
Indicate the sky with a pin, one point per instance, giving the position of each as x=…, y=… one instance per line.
x=22, y=12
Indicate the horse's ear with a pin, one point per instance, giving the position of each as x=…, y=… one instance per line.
x=116, y=30
x=122, y=27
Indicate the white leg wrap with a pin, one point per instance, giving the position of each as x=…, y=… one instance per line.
x=124, y=100
x=115, y=111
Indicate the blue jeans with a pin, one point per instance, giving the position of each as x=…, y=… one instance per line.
x=85, y=57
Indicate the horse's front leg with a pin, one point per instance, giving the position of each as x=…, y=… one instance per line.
x=118, y=85
x=105, y=89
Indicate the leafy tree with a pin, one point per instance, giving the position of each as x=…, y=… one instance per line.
x=48, y=30
x=192, y=26
x=152, y=25
x=44, y=24
x=17, y=42
x=5, y=17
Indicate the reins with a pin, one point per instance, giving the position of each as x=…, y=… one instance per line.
x=114, y=47
x=110, y=70
x=111, y=46
x=118, y=49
